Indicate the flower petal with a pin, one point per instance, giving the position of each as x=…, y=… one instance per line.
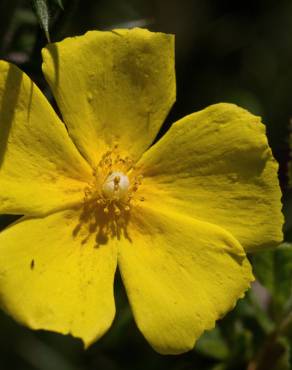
x=216, y=165
x=112, y=87
x=54, y=276
x=40, y=168
x=180, y=276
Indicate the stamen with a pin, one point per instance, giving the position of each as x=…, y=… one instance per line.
x=117, y=210
x=112, y=193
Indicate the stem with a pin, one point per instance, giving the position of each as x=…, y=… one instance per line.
x=285, y=324
x=272, y=350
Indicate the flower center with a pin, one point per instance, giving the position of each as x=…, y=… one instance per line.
x=116, y=187
x=109, y=198
x=113, y=190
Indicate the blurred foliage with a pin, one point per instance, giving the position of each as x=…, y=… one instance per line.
x=239, y=52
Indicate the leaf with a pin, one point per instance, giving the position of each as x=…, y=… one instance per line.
x=283, y=362
x=219, y=367
x=59, y=3
x=273, y=269
x=254, y=310
x=42, y=11
x=212, y=344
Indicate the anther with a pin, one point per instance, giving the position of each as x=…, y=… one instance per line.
x=117, y=211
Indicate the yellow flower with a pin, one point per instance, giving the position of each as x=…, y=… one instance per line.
x=177, y=218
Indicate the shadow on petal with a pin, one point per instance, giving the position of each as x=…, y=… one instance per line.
x=9, y=99
x=106, y=226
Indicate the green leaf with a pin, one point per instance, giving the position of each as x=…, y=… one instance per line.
x=283, y=362
x=59, y=3
x=212, y=344
x=273, y=269
x=42, y=11
x=254, y=310
x=219, y=367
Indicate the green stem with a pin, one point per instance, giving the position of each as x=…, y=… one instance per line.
x=286, y=324
x=272, y=349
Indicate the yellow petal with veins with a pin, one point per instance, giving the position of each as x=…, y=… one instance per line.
x=55, y=276
x=216, y=166
x=180, y=275
x=112, y=87
x=40, y=168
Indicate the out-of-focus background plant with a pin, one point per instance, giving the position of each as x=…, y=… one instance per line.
x=233, y=51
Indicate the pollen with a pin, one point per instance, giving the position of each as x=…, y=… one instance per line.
x=111, y=195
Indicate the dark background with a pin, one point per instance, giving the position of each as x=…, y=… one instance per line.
x=232, y=51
